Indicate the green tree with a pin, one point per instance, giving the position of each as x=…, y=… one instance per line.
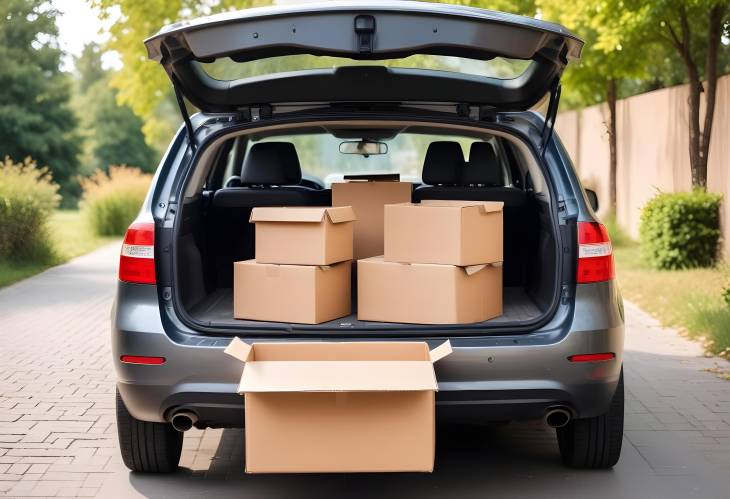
x=143, y=84
x=35, y=116
x=692, y=30
x=113, y=133
x=602, y=70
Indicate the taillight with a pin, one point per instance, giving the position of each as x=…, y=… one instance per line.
x=137, y=260
x=595, y=255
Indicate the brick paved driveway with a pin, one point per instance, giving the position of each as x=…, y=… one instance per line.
x=57, y=434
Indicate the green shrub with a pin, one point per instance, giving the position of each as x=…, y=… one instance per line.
x=111, y=201
x=680, y=230
x=28, y=196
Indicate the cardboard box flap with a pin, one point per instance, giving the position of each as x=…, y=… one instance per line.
x=484, y=206
x=339, y=214
x=337, y=376
x=240, y=350
x=473, y=269
x=302, y=214
x=440, y=351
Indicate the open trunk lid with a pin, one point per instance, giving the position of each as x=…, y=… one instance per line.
x=364, y=31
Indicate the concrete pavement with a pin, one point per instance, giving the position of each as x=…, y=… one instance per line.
x=58, y=438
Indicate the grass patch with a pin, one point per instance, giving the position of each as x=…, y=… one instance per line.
x=689, y=299
x=70, y=237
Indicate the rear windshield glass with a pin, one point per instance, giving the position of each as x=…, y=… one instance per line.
x=499, y=67
x=320, y=156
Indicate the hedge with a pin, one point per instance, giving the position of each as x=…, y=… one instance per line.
x=112, y=201
x=680, y=230
x=28, y=197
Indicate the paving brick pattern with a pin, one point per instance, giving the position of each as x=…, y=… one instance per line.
x=58, y=438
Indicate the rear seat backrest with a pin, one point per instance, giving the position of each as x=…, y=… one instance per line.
x=520, y=216
x=269, y=177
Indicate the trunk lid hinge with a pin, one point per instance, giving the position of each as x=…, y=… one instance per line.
x=185, y=116
x=550, y=116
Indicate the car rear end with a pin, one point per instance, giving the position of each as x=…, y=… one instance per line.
x=563, y=365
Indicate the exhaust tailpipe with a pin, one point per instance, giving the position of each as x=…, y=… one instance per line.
x=183, y=420
x=557, y=417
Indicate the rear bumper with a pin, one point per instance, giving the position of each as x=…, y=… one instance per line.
x=488, y=378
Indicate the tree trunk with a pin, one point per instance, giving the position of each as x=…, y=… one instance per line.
x=713, y=45
x=611, y=97
x=695, y=135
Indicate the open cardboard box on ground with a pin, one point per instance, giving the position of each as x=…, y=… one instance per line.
x=424, y=293
x=318, y=407
x=368, y=197
x=303, y=235
x=444, y=232
x=307, y=294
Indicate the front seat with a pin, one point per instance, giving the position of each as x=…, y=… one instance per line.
x=442, y=169
x=483, y=168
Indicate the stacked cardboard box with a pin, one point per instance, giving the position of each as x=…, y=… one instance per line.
x=441, y=265
x=302, y=267
x=368, y=195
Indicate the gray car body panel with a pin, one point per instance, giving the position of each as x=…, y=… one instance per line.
x=500, y=377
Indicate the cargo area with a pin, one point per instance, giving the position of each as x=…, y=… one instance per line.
x=214, y=230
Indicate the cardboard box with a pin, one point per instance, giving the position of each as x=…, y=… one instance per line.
x=425, y=293
x=307, y=294
x=368, y=198
x=303, y=235
x=321, y=407
x=447, y=232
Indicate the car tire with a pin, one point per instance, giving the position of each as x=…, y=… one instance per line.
x=147, y=447
x=595, y=443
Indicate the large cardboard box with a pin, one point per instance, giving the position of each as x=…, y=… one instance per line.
x=303, y=235
x=447, y=232
x=425, y=293
x=368, y=198
x=307, y=294
x=321, y=407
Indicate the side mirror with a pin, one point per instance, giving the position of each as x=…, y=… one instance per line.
x=592, y=199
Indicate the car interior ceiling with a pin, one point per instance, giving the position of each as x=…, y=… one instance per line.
x=214, y=231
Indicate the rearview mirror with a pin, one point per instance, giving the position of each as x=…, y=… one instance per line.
x=592, y=199
x=363, y=147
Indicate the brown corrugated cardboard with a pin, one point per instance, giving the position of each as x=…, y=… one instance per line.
x=307, y=294
x=323, y=407
x=368, y=198
x=427, y=293
x=303, y=235
x=447, y=232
